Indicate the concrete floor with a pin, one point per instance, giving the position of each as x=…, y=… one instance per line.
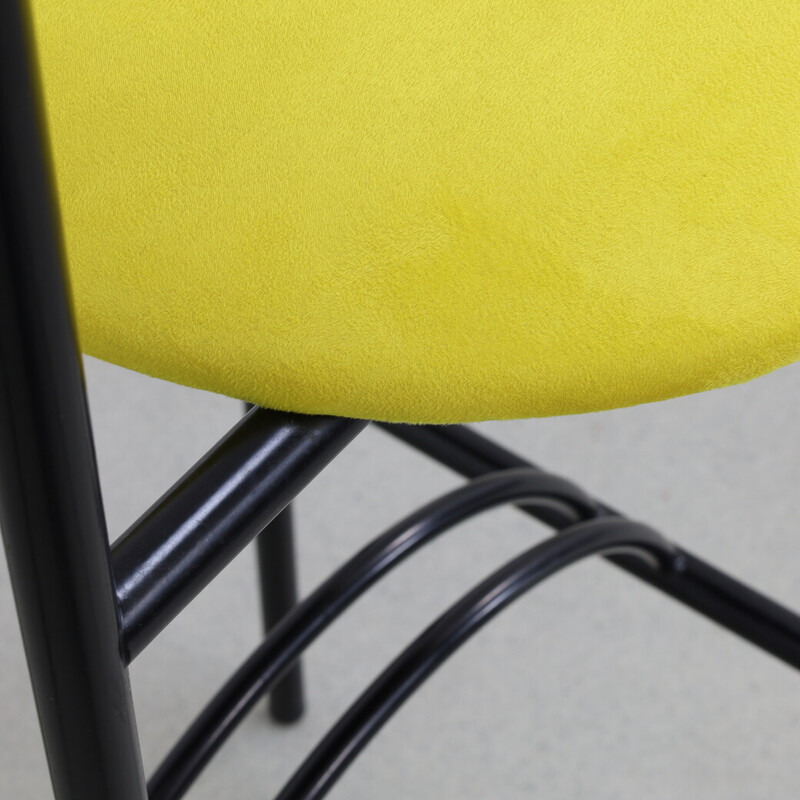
x=593, y=686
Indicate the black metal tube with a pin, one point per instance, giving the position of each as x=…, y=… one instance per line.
x=50, y=508
x=459, y=447
x=309, y=618
x=317, y=775
x=278, y=578
x=175, y=549
x=277, y=583
x=699, y=585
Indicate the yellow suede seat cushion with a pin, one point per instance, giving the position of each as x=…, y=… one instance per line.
x=431, y=211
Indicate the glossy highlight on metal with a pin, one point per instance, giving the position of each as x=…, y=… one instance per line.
x=418, y=661
x=298, y=629
x=699, y=585
x=177, y=547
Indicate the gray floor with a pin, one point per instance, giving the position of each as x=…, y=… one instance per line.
x=593, y=686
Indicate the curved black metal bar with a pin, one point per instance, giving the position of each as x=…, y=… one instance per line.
x=369, y=713
x=565, y=503
x=701, y=586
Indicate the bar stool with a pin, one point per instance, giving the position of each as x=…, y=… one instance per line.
x=415, y=218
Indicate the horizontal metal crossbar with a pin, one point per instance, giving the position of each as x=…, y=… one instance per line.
x=186, y=538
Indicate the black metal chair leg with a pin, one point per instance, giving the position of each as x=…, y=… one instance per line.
x=278, y=576
x=51, y=511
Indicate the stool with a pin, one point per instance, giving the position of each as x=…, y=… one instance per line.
x=382, y=214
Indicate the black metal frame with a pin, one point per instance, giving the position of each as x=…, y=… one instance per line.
x=86, y=609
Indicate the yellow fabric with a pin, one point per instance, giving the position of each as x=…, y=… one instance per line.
x=431, y=211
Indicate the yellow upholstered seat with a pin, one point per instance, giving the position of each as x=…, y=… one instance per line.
x=431, y=211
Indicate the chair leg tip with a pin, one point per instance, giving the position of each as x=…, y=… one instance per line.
x=286, y=714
